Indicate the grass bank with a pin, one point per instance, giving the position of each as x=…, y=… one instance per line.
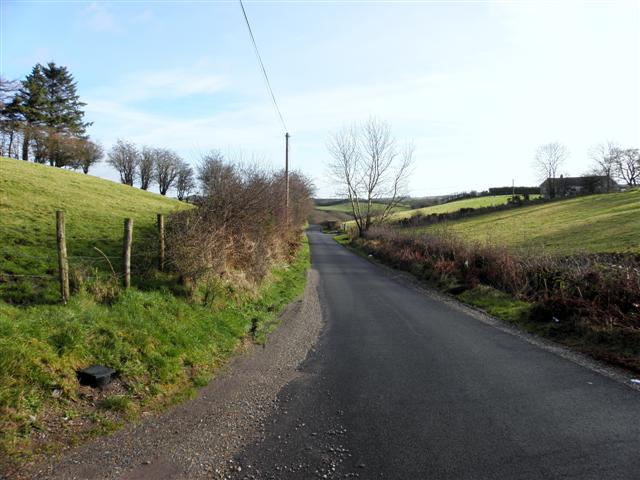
x=605, y=223
x=164, y=337
x=94, y=209
x=449, y=207
x=163, y=347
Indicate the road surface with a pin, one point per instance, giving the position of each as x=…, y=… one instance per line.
x=403, y=385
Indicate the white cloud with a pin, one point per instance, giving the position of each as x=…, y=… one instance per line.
x=98, y=17
x=174, y=83
x=161, y=84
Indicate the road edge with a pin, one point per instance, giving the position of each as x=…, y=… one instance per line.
x=406, y=279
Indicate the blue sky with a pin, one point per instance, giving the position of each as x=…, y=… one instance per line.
x=475, y=86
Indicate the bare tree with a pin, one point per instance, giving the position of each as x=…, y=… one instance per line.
x=370, y=168
x=604, y=156
x=214, y=173
x=85, y=154
x=185, y=181
x=167, y=166
x=9, y=117
x=548, y=160
x=628, y=166
x=147, y=164
x=125, y=158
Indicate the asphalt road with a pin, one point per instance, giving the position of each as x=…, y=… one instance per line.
x=404, y=385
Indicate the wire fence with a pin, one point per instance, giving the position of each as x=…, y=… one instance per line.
x=103, y=264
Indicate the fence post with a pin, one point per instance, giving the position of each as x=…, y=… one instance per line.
x=161, y=243
x=63, y=261
x=126, y=251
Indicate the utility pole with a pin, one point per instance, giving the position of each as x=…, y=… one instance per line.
x=286, y=177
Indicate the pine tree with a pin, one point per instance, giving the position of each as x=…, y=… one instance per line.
x=63, y=108
x=52, y=111
x=30, y=102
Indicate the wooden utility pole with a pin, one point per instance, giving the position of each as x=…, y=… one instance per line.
x=126, y=251
x=63, y=261
x=161, y=242
x=286, y=177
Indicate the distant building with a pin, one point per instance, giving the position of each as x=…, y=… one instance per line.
x=569, y=186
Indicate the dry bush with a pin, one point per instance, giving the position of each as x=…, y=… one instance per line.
x=239, y=229
x=604, y=291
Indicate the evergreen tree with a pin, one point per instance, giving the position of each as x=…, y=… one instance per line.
x=30, y=102
x=51, y=108
x=63, y=108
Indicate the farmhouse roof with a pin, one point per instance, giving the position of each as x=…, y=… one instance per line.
x=578, y=181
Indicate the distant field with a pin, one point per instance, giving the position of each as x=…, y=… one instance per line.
x=345, y=207
x=319, y=216
x=94, y=210
x=604, y=223
x=454, y=206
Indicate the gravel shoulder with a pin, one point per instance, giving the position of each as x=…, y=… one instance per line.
x=199, y=438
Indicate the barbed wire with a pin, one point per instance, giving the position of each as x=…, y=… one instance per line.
x=49, y=275
x=82, y=257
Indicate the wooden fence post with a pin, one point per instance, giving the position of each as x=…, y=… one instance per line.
x=126, y=251
x=63, y=261
x=161, y=243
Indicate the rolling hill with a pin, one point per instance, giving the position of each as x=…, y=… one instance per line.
x=94, y=210
x=345, y=207
x=449, y=207
x=605, y=223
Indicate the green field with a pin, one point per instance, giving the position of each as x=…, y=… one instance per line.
x=449, y=207
x=94, y=210
x=345, y=207
x=162, y=342
x=606, y=223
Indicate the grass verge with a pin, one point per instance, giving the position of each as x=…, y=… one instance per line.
x=163, y=347
x=496, y=303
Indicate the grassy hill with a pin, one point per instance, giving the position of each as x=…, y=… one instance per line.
x=341, y=212
x=94, y=210
x=345, y=207
x=455, y=206
x=162, y=342
x=603, y=223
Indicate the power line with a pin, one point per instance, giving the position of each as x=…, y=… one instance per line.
x=264, y=70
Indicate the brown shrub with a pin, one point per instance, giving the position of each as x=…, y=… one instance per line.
x=239, y=230
x=605, y=291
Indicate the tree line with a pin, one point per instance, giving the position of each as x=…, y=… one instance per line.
x=152, y=165
x=42, y=120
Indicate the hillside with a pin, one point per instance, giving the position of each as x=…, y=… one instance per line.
x=161, y=339
x=603, y=223
x=345, y=207
x=94, y=210
x=449, y=207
